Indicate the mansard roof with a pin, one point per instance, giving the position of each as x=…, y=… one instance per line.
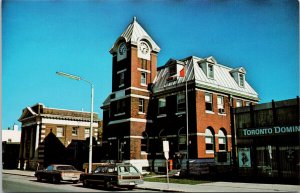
x=222, y=81
x=133, y=34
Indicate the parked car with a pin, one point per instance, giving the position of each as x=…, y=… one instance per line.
x=55, y=173
x=113, y=175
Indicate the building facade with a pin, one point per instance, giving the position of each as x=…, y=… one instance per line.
x=268, y=140
x=186, y=102
x=10, y=147
x=51, y=135
x=11, y=135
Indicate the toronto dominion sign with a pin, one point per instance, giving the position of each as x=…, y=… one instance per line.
x=276, y=130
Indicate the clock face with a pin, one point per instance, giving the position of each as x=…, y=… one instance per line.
x=122, y=49
x=144, y=47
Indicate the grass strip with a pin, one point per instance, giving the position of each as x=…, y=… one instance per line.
x=176, y=180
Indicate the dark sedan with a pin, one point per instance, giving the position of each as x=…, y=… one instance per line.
x=55, y=173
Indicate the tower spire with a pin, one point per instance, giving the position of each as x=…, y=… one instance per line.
x=134, y=19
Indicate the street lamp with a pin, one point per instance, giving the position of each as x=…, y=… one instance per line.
x=92, y=109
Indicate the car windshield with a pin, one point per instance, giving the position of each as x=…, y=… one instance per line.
x=128, y=169
x=65, y=168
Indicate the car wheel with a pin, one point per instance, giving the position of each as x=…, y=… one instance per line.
x=39, y=178
x=75, y=181
x=55, y=180
x=107, y=185
x=85, y=183
x=130, y=187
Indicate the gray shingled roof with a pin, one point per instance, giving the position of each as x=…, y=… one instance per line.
x=133, y=34
x=222, y=82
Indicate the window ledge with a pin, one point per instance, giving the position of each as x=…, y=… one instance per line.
x=141, y=113
x=222, y=114
x=209, y=152
x=180, y=113
x=161, y=115
x=119, y=114
x=144, y=85
x=209, y=112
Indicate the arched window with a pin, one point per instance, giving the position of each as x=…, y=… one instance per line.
x=222, y=140
x=209, y=141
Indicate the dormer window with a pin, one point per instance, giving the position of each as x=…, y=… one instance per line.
x=238, y=75
x=207, y=65
x=172, y=70
x=210, y=71
x=241, y=80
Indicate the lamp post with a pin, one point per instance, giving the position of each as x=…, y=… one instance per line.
x=92, y=109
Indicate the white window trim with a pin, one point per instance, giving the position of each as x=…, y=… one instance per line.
x=212, y=104
x=239, y=75
x=180, y=113
x=143, y=70
x=161, y=115
x=76, y=131
x=121, y=71
x=119, y=114
x=142, y=105
x=213, y=71
x=145, y=79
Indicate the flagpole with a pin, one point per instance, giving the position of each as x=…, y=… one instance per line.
x=187, y=122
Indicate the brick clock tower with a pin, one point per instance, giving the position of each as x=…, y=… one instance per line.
x=125, y=111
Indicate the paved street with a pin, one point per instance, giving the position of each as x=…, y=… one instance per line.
x=24, y=181
x=17, y=183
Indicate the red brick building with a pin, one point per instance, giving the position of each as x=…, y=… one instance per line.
x=148, y=104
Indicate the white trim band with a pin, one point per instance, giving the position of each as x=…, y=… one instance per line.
x=130, y=119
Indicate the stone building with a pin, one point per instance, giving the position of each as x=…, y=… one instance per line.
x=50, y=135
x=149, y=104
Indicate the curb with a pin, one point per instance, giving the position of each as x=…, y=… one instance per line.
x=18, y=174
x=160, y=190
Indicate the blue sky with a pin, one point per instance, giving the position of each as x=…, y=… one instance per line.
x=42, y=37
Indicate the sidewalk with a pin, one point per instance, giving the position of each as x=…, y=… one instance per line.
x=207, y=187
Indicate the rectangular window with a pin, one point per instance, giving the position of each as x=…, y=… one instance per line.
x=220, y=101
x=209, y=144
x=208, y=102
x=222, y=144
x=181, y=102
x=75, y=131
x=86, y=132
x=210, y=71
x=162, y=106
x=239, y=103
x=141, y=105
x=60, y=132
x=248, y=103
x=121, y=79
x=242, y=80
x=172, y=70
x=144, y=64
x=143, y=78
x=120, y=106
